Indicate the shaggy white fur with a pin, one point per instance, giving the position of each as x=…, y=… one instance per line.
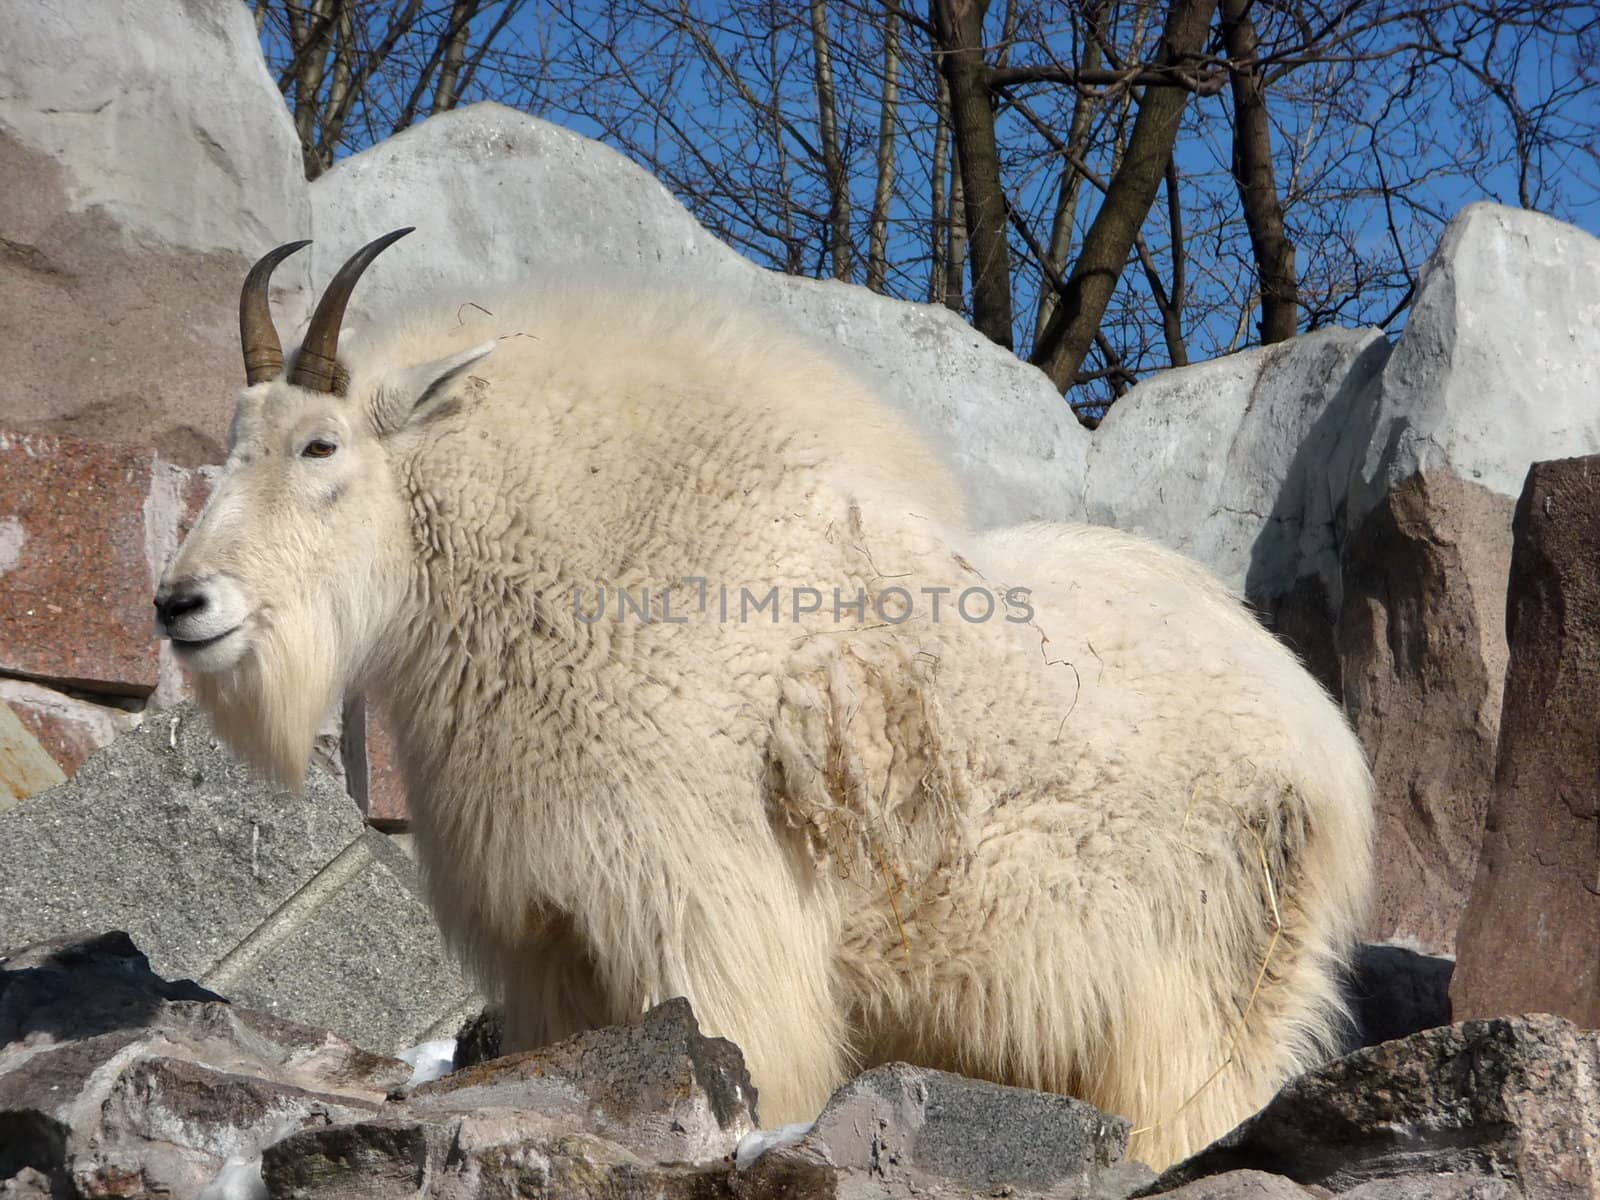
x=1111, y=841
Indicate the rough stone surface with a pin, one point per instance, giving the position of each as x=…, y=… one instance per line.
x=68, y=728
x=1240, y=462
x=25, y=768
x=286, y=899
x=1240, y=1185
x=1483, y=1102
x=1422, y=650
x=375, y=929
x=652, y=1108
x=547, y=205
x=1499, y=363
x=906, y=1129
x=373, y=768
x=657, y=1086
x=501, y=1153
x=1531, y=937
x=75, y=605
x=115, y=1082
x=149, y=160
x=85, y=533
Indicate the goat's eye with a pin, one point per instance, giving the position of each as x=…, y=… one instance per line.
x=318, y=448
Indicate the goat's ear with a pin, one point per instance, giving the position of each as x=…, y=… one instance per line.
x=412, y=394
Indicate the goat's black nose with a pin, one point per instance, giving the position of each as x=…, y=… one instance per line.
x=172, y=603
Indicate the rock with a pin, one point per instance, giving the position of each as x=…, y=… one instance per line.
x=1396, y=992
x=373, y=768
x=1240, y=462
x=1497, y=368
x=282, y=902
x=567, y=207
x=657, y=1086
x=24, y=766
x=505, y=1153
x=1446, y=1186
x=76, y=602
x=1422, y=652
x=910, y=1131
x=1482, y=1104
x=651, y=1108
x=1240, y=1185
x=1530, y=937
x=1499, y=363
x=150, y=159
x=114, y=1081
x=68, y=728
x=87, y=530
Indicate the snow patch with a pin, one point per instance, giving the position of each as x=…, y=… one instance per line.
x=753, y=1145
x=429, y=1060
x=239, y=1179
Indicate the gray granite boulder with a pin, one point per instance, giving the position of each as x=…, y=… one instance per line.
x=902, y=1130
x=286, y=903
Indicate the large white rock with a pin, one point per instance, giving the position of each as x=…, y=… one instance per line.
x=161, y=114
x=1240, y=462
x=147, y=160
x=1499, y=363
x=499, y=197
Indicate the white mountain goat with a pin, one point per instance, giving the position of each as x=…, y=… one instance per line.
x=1044, y=806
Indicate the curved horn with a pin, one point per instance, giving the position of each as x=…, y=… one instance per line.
x=317, y=365
x=263, y=355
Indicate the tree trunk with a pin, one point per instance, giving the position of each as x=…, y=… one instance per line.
x=1127, y=202
x=955, y=245
x=937, y=203
x=310, y=34
x=839, y=246
x=445, y=94
x=958, y=24
x=1252, y=171
x=883, y=194
x=1061, y=224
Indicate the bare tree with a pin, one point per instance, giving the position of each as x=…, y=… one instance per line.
x=1110, y=187
x=332, y=58
x=1253, y=170
x=958, y=30
x=883, y=193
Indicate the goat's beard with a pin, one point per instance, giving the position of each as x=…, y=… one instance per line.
x=270, y=704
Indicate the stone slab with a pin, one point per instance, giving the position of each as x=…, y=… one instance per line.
x=1499, y=364
x=225, y=879
x=166, y=836
x=1422, y=657
x=1240, y=462
x=375, y=928
x=372, y=768
x=75, y=579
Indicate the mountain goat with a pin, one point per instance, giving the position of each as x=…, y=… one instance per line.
x=703, y=686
